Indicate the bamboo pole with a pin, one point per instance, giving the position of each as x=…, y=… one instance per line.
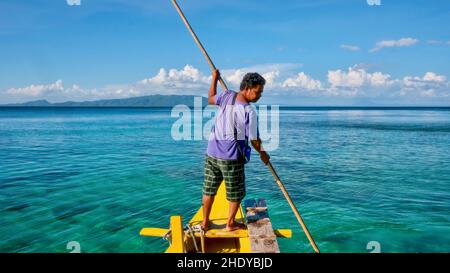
x=293, y=207
x=211, y=64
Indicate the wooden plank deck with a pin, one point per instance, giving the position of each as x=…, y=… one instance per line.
x=260, y=230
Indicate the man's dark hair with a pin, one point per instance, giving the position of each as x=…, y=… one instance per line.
x=251, y=80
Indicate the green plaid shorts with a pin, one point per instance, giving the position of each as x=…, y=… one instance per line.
x=232, y=171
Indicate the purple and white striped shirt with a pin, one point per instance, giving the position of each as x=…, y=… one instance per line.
x=242, y=116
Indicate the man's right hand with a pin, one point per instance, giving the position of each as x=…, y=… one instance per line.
x=216, y=75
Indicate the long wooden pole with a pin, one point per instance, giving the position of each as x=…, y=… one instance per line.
x=224, y=86
x=211, y=64
x=293, y=207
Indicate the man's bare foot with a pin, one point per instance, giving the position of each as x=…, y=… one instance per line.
x=205, y=225
x=234, y=226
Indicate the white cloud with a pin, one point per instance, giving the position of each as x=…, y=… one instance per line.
x=379, y=79
x=432, y=77
x=302, y=81
x=158, y=79
x=191, y=79
x=233, y=77
x=270, y=77
x=427, y=79
x=430, y=85
x=350, y=47
x=189, y=76
x=37, y=90
x=57, y=92
x=339, y=78
x=357, y=77
x=359, y=83
x=403, y=42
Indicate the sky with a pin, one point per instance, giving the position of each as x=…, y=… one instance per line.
x=312, y=53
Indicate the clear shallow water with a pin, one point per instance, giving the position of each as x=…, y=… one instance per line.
x=97, y=176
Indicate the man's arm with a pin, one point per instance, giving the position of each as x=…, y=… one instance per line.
x=213, y=88
x=257, y=144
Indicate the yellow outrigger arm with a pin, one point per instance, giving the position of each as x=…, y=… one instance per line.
x=213, y=233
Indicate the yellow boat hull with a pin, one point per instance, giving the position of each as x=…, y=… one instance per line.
x=216, y=239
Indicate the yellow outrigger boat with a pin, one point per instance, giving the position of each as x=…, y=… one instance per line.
x=216, y=239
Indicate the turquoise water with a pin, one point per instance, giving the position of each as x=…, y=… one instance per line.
x=97, y=176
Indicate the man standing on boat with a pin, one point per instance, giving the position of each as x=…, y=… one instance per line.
x=236, y=124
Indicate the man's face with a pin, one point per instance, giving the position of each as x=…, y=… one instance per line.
x=254, y=93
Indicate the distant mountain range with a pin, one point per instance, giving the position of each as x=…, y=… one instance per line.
x=145, y=101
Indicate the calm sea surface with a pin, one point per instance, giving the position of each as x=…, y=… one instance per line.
x=99, y=175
